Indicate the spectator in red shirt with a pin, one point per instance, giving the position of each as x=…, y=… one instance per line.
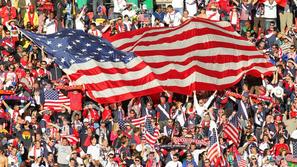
x=8, y=12
x=279, y=147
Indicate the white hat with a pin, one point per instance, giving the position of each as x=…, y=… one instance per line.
x=278, y=92
x=86, y=120
x=10, y=141
x=28, y=118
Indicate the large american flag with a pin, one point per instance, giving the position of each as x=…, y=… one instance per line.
x=54, y=100
x=198, y=55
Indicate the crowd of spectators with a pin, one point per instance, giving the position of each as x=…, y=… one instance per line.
x=86, y=133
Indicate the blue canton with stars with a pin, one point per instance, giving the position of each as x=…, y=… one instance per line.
x=71, y=46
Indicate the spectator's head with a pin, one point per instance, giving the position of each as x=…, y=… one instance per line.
x=149, y=105
x=89, y=131
x=248, y=34
x=93, y=26
x=159, y=8
x=126, y=18
x=120, y=19
x=132, y=113
x=43, y=64
x=185, y=13
x=213, y=7
x=31, y=8
x=203, y=11
x=175, y=157
x=51, y=15
x=137, y=160
x=64, y=142
x=93, y=140
x=111, y=156
x=163, y=98
x=169, y=9
x=281, y=140
x=8, y=3
x=247, y=24
x=206, y=162
x=37, y=145
x=170, y=122
x=189, y=156
x=72, y=162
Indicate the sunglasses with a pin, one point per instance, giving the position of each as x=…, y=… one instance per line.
x=137, y=160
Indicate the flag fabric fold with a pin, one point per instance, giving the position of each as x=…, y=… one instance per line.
x=232, y=133
x=214, y=151
x=198, y=55
x=151, y=134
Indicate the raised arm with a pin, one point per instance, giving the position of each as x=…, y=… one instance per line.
x=234, y=1
x=210, y=99
x=7, y=107
x=25, y=108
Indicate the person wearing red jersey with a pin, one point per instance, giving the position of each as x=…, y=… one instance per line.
x=8, y=12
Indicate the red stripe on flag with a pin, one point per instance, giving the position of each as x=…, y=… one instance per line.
x=152, y=139
x=56, y=105
x=232, y=133
x=213, y=152
x=198, y=55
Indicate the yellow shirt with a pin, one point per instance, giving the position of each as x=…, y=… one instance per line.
x=35, y=20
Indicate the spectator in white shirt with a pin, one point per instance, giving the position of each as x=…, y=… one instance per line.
x=79, y=161
x=94, y=31
x=172, y=18
x=137, y=162
x=174, y=162
x=94, y=150
x=110, y=161
x=270, y=12
x=50, y=25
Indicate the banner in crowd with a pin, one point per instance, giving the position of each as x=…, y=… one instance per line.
x=74, y=87
x=184, y=140
x=13, y=97
x=198, y=55
x=6, y=92
x=254, y=96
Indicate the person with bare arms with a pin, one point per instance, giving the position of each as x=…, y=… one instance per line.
x=3, y=159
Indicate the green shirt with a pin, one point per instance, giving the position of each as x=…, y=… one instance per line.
x=149, y=4
x=81, y=3
x=134, y=2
